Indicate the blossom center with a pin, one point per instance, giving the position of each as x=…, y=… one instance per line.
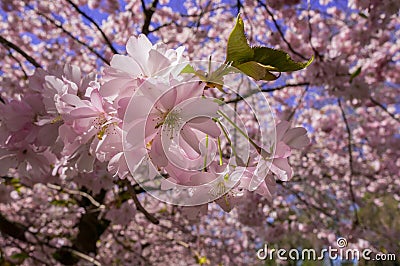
x=172, y=120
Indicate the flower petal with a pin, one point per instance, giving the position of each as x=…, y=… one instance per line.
x=281, y=168
x=126, y=64
x=296, y=138
x=281, y=129
x=208, y=127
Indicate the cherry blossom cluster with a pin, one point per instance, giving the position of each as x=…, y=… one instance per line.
x=146, y=118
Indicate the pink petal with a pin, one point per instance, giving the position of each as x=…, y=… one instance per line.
x=208, y=127
x=167, y=100
x=84, y=112
x=85, y=162
x=157, y=154
x=54, y=84
x=96, y=100
x=201, y=178
x=126, y=64
x=6, y=162
x=199, y=107
x=156, y=62
x=296, y=138
x=113, y=87
x=190, y=138
x=138, y=48
x=227, y=202
x=135, y=135
x=190, y=152
x=73, y=100
x=281, y=129
x=281, y=168
x=192, y=212
x=267, y=188
x=73, y=73
x=282, y=150
x=138, y=108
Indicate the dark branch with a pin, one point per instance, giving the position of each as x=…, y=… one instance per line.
x=13, y=46
x=95, y=24
x=148, y=14
x=60, y=26
x=384, y=109
x=240, y=98
x=307, y=203
x=239, y=6
x=280, y=31
x=298, y=104
x=19, y=63
x=139, y=206
x=350, y=151
x=12, y=229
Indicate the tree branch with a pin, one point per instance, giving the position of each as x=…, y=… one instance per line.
x=280, y=31
x=148, y=14
x=95, y=24
x=19, y=63
x=240, y=98
x=12, y=229
x=308, y=204
x=13, y=46
x=350, y=151
x=139, y=206
x=384, y=109
x=60, y=26
x=77, y=192
x=298, y=104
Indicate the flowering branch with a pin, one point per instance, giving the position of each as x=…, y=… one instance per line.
x=280, y=31
x=77, y=192
x=139, y=206
x=95, y=24
x=240, y=98
x=350, y=151
x=11, y=45
x=61, y=27
x=384, y=109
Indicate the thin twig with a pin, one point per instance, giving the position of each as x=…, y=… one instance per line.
x=350, y=151
x=298, y=104
x=13, y=46
x=310, y=32
x=139, y=206
x=19, y=63
x=240, y=98
x=280, y=31
x=77, y=192
x=84, y=256
x=60, y=26
x=384, y=109
x=307, y=203
x=95, y=24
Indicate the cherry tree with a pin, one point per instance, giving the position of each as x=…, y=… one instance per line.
x=194, y=132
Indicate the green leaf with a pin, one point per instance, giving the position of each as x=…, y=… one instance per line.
x=62, y=203
x=258, y=62
x=278, y=60
x=238, y=50
x=355, y=74
x=256, y=71
x=188, y=69
x=19, y=256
